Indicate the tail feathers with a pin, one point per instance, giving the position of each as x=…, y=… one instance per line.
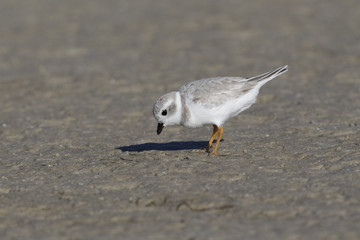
x=270, y=75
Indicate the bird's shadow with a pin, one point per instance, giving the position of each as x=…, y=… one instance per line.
x=168, y=146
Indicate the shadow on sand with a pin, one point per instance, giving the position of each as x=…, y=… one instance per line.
x=169, y=146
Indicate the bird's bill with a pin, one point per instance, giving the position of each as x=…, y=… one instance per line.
x=159, y=128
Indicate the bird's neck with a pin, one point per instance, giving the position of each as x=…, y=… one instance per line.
x=179, y=106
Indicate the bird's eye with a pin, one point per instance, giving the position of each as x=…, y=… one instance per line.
x=164, y=112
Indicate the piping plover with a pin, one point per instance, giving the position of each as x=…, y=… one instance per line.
x=210, y=101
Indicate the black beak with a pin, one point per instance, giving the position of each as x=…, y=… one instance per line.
x=159, y=128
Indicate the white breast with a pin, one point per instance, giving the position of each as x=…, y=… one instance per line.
x=200, y=115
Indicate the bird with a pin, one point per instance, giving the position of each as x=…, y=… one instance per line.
x=210, y=101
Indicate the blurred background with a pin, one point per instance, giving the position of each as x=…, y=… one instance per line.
x=78, y=80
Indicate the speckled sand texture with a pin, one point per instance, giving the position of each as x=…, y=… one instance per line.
x=79, y=153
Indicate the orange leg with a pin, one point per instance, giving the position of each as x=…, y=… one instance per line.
x=212, y=137
x=214, y=152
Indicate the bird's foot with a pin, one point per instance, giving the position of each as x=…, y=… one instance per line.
x=204, y=150
x=213, y=153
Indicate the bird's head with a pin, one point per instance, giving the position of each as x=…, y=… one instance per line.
x=167, y=111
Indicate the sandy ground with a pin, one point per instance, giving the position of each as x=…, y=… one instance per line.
x=79, y=154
